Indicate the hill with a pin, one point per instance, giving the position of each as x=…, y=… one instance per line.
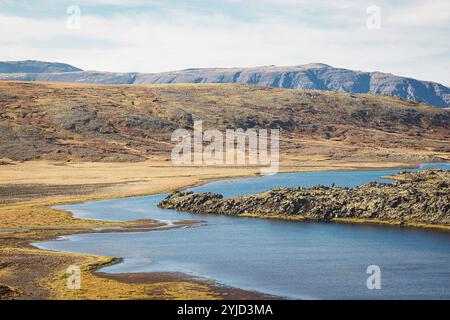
x=313, y=76
x=33, y=66
x=133, y=123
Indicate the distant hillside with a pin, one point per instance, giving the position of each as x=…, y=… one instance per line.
x=313, y=76
x=79, y=122
x=32, y=66
x=310, y=76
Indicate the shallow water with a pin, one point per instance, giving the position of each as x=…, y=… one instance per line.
x=299, y=260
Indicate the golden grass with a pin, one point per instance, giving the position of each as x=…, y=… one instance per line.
x=34, y=216
x=272, y=217
x=351, y=221
x=94, y=287
x=159, y=176
x=393, y=223
x=124, y=179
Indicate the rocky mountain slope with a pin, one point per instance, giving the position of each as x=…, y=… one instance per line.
x=33, y=66
x=420, y=197
x=79, y=122
x=310, y=76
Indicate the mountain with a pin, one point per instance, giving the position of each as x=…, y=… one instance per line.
x=314, y=76
x=33, y=66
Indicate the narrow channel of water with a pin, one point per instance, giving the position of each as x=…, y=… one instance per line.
x=299, y=260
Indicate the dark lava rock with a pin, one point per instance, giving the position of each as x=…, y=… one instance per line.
x=7, y=292
x=416, y=197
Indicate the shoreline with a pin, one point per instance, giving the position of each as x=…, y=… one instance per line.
x=211, y=180
x=222, y=290
x=356, y=221
x=229, y=293
x=219, y=289
x=370, y=203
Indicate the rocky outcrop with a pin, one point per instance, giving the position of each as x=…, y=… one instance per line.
x=6, y=292
x=419, y=197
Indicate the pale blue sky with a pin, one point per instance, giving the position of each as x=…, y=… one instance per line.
x=158, y=35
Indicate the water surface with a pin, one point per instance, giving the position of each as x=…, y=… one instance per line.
x=299, y=260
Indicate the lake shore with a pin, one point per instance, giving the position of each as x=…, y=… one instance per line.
x=80, y=183
x=418, y=199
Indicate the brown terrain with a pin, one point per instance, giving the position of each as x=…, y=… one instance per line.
x=65, y=143
x=71, y=122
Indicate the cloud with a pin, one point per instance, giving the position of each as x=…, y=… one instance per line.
x=434, y=13
x=178, y=37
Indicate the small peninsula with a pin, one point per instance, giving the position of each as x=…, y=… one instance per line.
x=414, y=198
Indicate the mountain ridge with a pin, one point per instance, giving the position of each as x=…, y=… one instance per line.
x=312, y=76
x=35, y=66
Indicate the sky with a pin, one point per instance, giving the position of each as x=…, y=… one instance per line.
x=404, y=37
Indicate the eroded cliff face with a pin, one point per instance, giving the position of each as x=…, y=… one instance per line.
x=415, y=197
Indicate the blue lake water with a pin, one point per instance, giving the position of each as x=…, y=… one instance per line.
x=298, y=260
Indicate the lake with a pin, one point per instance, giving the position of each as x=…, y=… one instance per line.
x=296, y=260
